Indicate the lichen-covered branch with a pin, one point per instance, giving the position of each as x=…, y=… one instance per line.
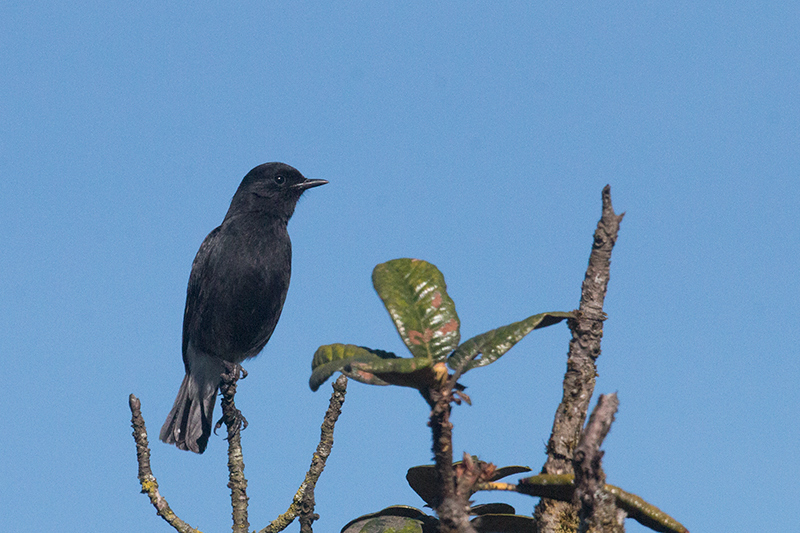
x=146, y=477
x=579, y=380
x=645, y=513
x=235, y=422
x=303, y=501
x=598, y=512
x=562, y=487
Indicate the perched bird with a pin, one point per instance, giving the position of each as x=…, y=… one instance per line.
x=235, y=296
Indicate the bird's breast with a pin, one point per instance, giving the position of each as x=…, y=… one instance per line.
x=243, y=290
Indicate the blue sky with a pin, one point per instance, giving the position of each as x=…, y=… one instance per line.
x=475, y=136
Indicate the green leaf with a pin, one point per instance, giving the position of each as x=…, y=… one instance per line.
x=367, y=365
x=496, y=342
x=645, y=513
x=337, y=357
x=504, y=523
x=506, y=471
x=385, y=524
x=415, y=295
x=422, y=479
x=491, y=508
x=396, y=519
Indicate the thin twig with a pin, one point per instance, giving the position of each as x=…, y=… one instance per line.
x=579, y=380
x=598, y=511
x=303, y=501
x=453, y=509
x=146, y=477
x=234, y=421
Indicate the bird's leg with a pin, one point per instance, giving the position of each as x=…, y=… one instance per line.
x=231, y=416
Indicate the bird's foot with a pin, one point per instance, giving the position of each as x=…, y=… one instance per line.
x=231, y=416
x=238, y=421
x=233, y=372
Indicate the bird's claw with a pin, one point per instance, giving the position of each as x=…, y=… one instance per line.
x=238, y=423
x=233, y=372
x=231, y=416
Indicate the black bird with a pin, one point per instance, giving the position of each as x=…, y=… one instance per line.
x=235, y=296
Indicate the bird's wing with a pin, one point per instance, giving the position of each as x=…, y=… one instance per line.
x=195, y=298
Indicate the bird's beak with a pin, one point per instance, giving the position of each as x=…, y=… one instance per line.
x=303, y=185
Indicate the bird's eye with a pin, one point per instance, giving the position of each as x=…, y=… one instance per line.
x=279, y=180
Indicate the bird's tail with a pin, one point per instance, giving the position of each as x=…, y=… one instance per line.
x=188, y=424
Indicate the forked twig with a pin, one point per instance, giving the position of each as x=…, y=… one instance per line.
x=146, y=477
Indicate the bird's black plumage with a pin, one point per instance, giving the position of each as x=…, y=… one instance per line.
x=236, y=291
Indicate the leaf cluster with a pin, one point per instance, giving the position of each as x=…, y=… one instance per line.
x=489, y=517
x=415, y=295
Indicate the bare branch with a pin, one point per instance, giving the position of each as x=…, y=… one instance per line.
x=598, y=511
x=235, y=422
x=146, y=477
x=303, y=502
x=453, y=509
x=579, y=380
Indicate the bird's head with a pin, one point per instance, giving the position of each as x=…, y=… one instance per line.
x=272, y=189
